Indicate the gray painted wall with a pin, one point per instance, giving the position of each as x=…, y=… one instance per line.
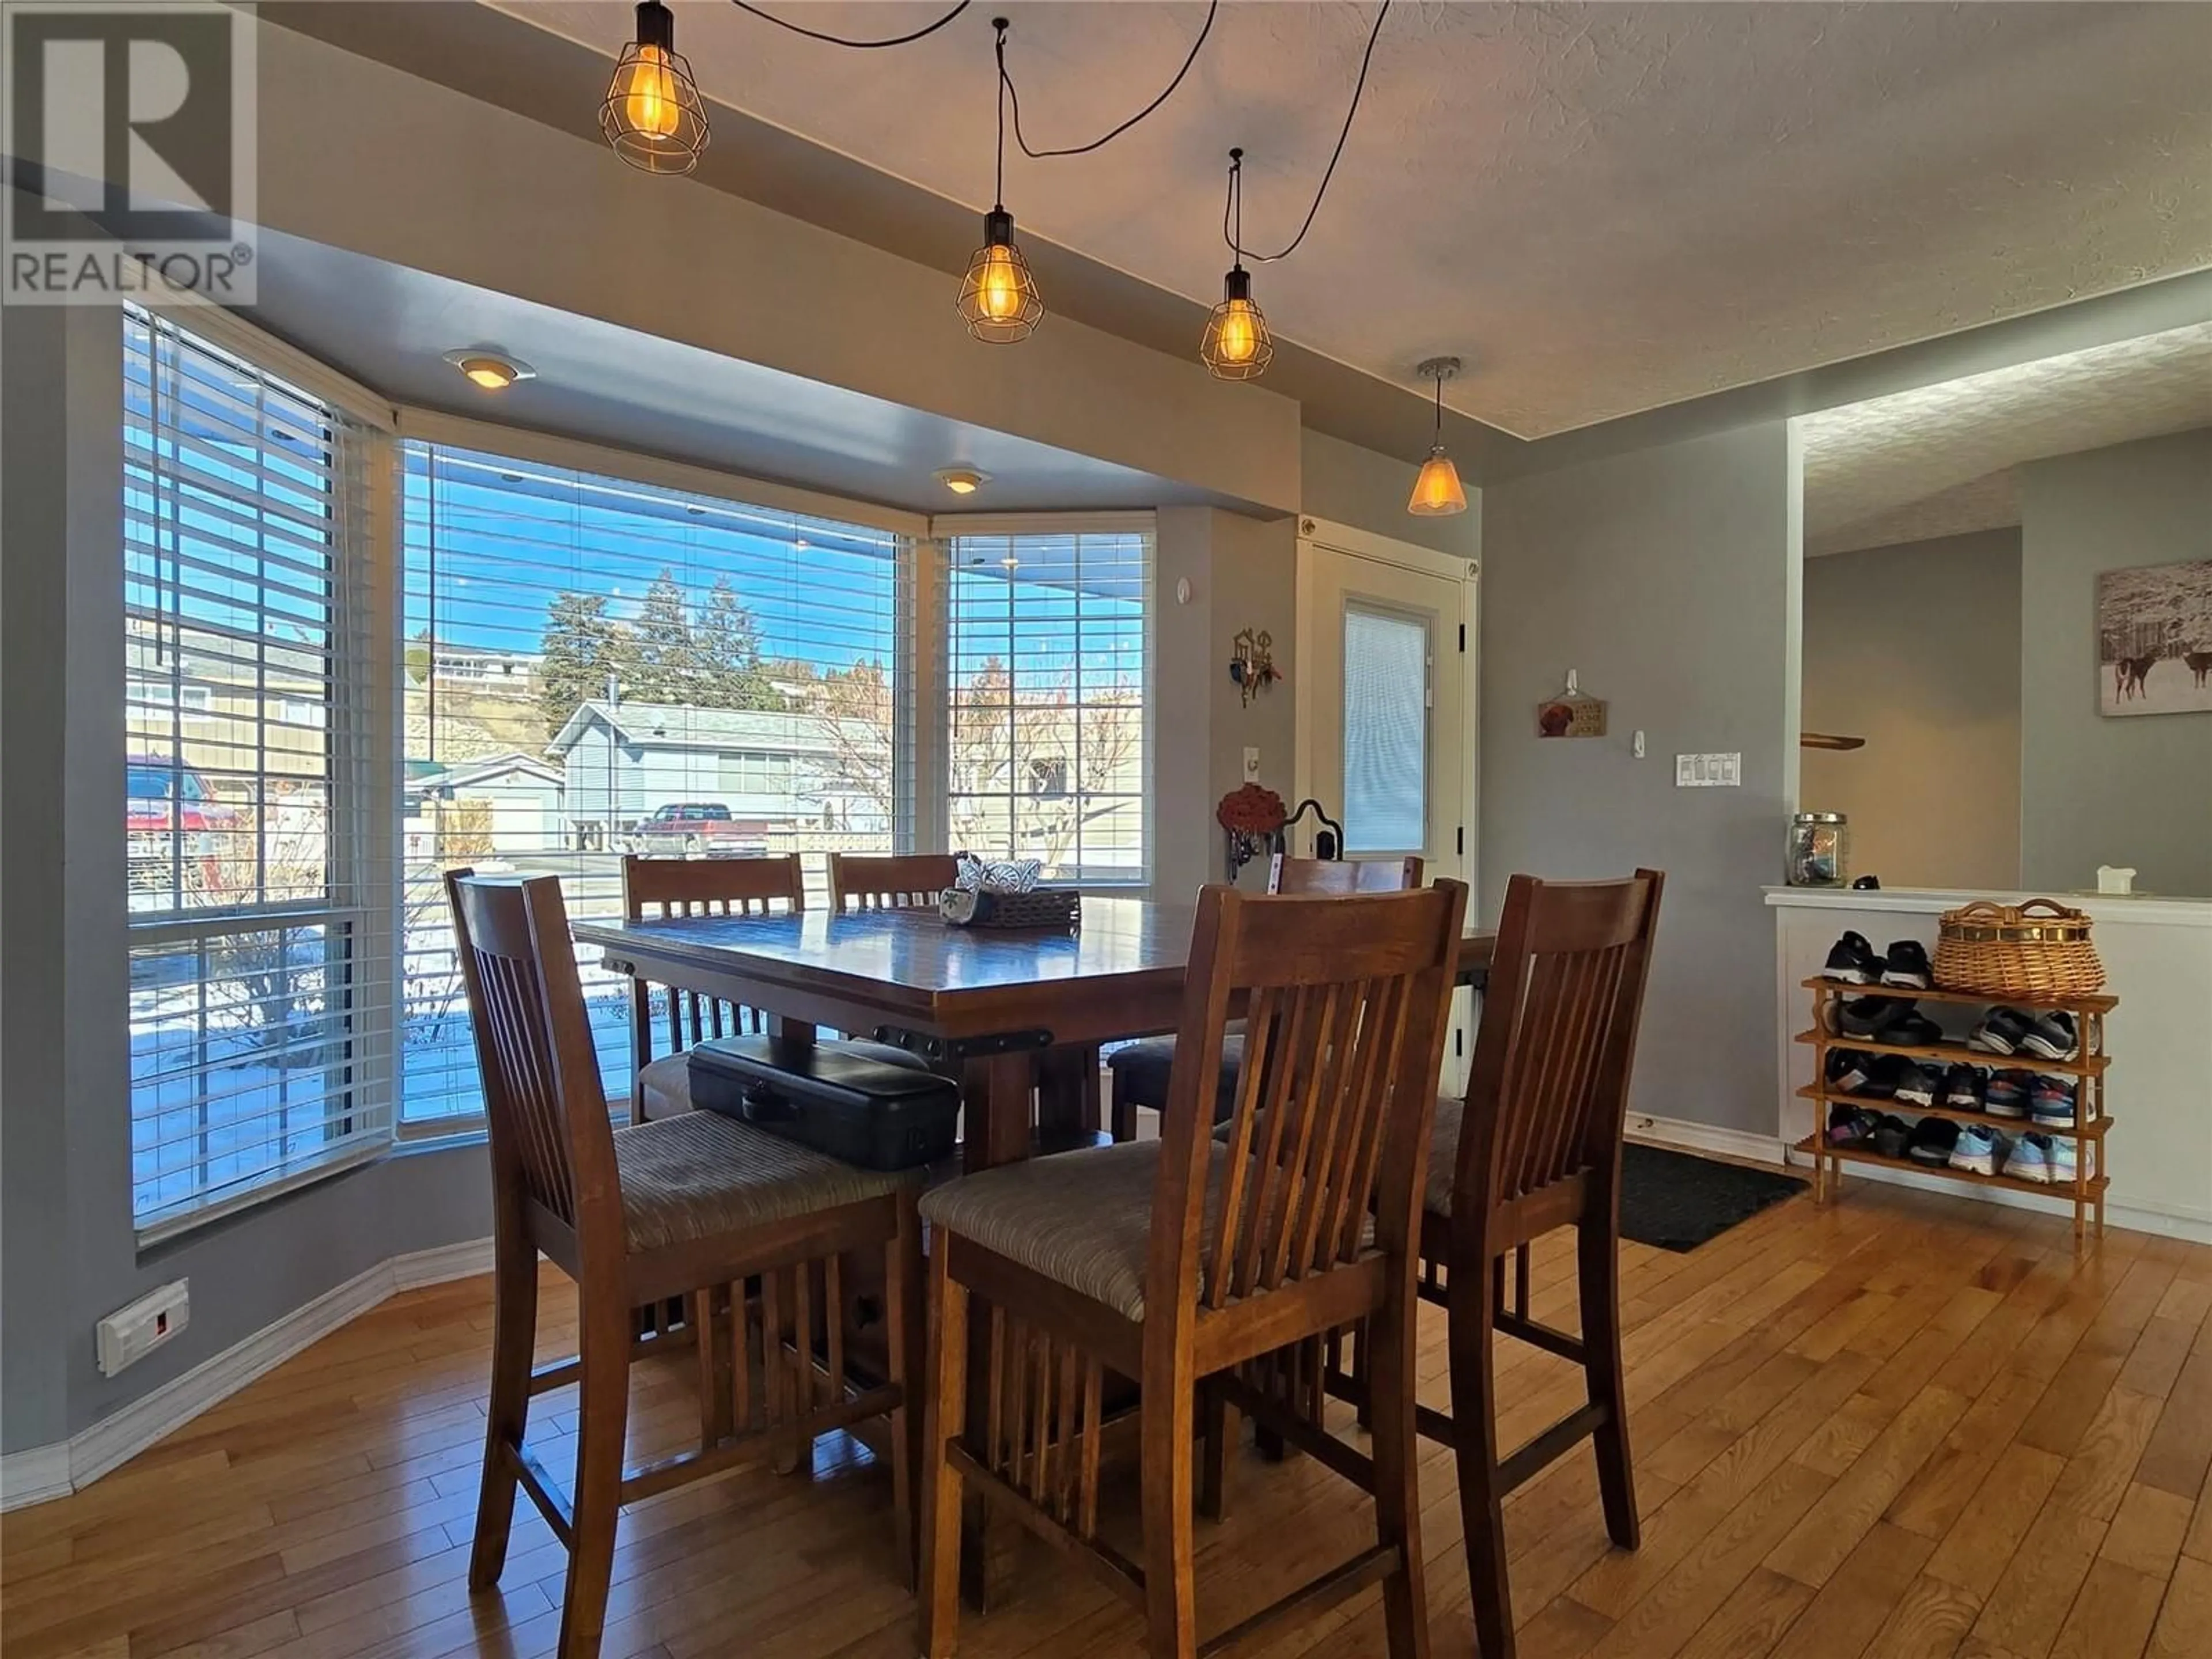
x=71, y=1254
x=1916, y=648
x=1240, y=572
x=2097, y=790
x=34, y=529
x=1668, y=578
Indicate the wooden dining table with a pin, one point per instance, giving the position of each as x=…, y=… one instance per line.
x=979, y=1004
x=1003, y=1010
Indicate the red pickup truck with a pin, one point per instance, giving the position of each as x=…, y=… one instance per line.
x=700, y=829
x=164, y=802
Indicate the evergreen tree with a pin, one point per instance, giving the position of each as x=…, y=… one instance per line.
x=582, y=647
x=667, y=658
x=726, y=671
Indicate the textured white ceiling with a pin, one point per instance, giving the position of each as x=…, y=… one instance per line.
x=1934, y=461
x=1604, y=208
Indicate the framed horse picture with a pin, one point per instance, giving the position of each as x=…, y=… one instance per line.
x=2155, y=639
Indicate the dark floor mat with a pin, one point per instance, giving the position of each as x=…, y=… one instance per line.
x=1674, y=1201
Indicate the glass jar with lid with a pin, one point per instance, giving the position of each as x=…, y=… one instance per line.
x=1819, y=850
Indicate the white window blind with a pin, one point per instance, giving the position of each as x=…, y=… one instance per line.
x=1386, y=731
x=595, y=664
x=258, y=938
x=1047, y=673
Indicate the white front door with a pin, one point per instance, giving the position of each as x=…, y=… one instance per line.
x=1384, y=678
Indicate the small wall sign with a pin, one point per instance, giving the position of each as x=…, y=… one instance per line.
x=1571, y=714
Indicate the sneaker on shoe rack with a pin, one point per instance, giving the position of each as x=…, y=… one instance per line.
x=1847, y=1069
x=2030, y=1159
x=1911, y=1029
x=2053, y=1036
x=2005, y=1095
x=2000, y=1031
x=1918, y=1084
x=1865, y=1016
x=2051, y=1102
x=2061, y=1155
x=1854, y=1127
x=1884, y=1076
x=1892, y=1135
x=1976, y=1150
x=1851, y=961
x=1932, y=1140
x=1963, y=1086
x=1905, y=964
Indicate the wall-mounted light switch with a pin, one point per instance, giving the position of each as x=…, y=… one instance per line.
x=1251, y=765
x=1708, y=771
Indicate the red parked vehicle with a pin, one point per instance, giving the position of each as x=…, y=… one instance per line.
x=168, y=812
x=702, y=828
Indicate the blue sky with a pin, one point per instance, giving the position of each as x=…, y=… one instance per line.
x=494, y=542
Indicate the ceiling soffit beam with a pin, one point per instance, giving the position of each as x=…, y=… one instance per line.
x=413, y=174
x=496, y=58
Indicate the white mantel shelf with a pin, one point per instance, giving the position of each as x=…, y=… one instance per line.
x=1929, y=901
x=2157, y=952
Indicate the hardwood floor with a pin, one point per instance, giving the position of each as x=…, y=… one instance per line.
x=1904, y=1426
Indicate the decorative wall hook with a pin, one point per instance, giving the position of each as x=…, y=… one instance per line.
x=1252, y=663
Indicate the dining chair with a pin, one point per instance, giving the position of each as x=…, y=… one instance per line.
x=907, y=881
x=691, y=1206
x=1535, y=1145
x=667, y=888
x=1174, y=1260
x=1140, y=1070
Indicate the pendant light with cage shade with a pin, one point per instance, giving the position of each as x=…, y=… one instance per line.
x=999, y=298
x=651, y=114
x=1236, y=344
x=1436, y=491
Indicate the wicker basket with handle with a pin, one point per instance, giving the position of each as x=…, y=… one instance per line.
x=2039, y=949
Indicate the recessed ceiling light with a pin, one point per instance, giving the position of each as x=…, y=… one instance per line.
x=963, y=480
x=493, y=371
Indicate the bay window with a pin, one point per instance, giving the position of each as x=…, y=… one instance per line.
x=258, y=940
x=358, y=654
x=596, y=665
x=1046, y=743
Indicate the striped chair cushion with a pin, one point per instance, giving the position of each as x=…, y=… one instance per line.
x=699, y=1174
x=664, y=1088
x=1444, y=1154
x=1141, y=1072
x=1083, y=1219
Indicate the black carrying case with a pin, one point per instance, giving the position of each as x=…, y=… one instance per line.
x=874, y=1113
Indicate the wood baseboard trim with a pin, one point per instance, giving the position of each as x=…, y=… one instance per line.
x=39, y=1473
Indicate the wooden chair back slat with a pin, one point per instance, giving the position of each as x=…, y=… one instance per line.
x=1287, y=874
x=656, y=890
x=1347, y=1000
x=551, y=1138
x=1547, y=1094
x=912, y=881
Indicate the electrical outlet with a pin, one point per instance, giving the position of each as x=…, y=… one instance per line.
x=129, y=1334
x=1708, y=771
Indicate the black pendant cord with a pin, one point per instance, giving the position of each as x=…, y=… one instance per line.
x=1104, y=139
x=1440, y=412
x=1232, y=210
x=858, y=46
x=1329, y=173
x=998, y=179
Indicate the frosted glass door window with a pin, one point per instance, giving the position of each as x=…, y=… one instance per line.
x=1386, y=731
